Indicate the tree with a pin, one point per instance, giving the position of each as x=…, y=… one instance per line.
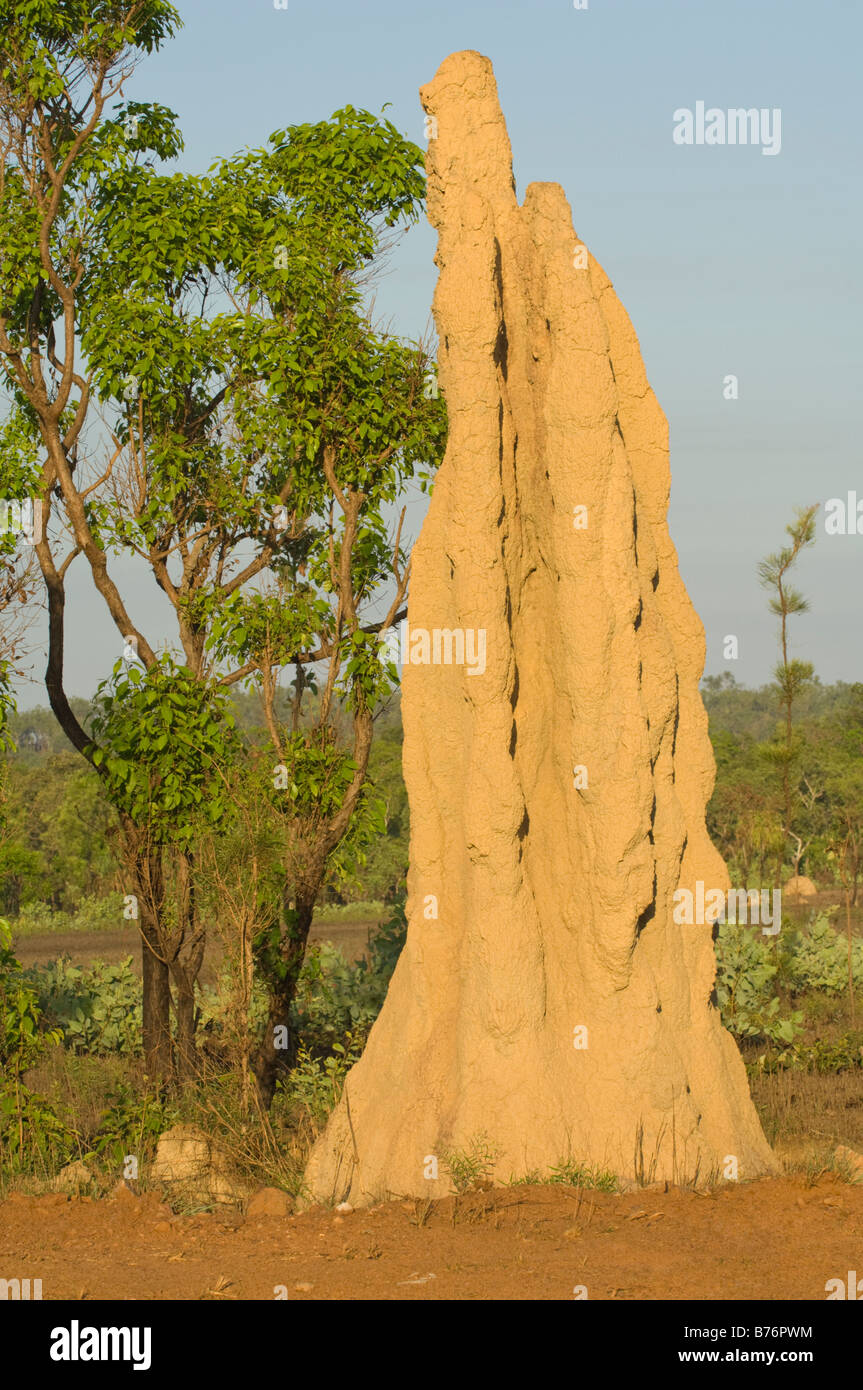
x=161, y=735
x=17, y=581
x=257, y=423
x=791, y=675
x=315, y=422
x=60, y=824
x=281, y=431
x=59, y=69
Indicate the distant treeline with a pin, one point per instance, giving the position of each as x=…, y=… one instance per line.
x=59, y=826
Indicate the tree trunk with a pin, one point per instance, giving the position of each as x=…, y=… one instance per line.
x=184, y=1008
x=144, y=865
x=185, y=965
x=156, y=1032
x=277, y=1053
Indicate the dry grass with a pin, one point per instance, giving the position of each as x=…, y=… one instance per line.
x=805, y=1115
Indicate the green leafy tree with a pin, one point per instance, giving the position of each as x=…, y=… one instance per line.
x=60, y=67
x=258, y=423
x=161, y=736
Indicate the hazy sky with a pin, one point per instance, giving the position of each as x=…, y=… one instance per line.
x=729, y=260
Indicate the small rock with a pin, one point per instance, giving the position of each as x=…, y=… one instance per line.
x=122, y=1192
x=798, y=886
x=344, y=1207
x=268, y=1201
x=188, y=1157
x=73, y=1177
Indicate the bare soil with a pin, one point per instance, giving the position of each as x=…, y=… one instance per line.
x=774, y=1239
x=83, y=947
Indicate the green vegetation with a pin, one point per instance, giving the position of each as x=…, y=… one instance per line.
x=471, y=1168
x=745, y=815
x=29, y=1125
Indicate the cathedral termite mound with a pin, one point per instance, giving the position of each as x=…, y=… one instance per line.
x=546, y=1008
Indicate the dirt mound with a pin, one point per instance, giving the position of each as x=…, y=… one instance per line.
x=546, y=1005
x=798, y=886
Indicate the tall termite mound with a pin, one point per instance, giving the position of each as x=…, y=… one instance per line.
x=546, y=1007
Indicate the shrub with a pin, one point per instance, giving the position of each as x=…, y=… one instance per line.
x=335, y=998
x=97, y=1009
x=29, y=1124
x=825, y=1056
x=471, y=1168
x=131, y=1124
x=746, y=968
x=571, y=1173
x=820, y=958
x=316, y=1083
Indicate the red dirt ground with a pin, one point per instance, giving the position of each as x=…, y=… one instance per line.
x=773, y=1239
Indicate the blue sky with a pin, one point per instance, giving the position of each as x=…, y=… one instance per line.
x=728, y=260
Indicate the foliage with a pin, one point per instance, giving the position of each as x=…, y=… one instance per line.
x=57, y=847
x=820, y=959
x=380, y=866
x=824, y=1056
x=162, y=734
x=131, y=1124
x=262, y=431
x=215, y=1003
x=316, y=1083
x=471, y=1168
x=332, y=998
x=335, y=999
x=96, y=1009
x=745, y=814
x=92, y=914
x=746, y=970
x=572, y=1173
x=29, y=1124
x=751, y=968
